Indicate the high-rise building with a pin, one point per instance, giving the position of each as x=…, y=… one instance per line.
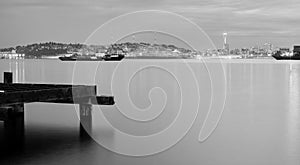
x=268, y=48
x=225, y=38
x=225, y=44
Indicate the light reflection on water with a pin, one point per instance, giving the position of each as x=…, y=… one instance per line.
x=260, y=125
x=293, y=122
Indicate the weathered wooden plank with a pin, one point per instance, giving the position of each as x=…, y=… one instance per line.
x=19, y=93
x=15, y=87
x=65, y=94
x=44, y=95
x=98, y=100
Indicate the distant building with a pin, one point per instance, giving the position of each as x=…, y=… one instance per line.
x=225, y=44
x=235, y=52
x=268, y=47
x=296, y=50
x=284, y=50
x=12, y=55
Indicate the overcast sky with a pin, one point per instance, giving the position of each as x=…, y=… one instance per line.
x=248, y=22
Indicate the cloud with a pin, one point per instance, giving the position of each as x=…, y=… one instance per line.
x=238, y=17
x=78, y=3
x=248, y=11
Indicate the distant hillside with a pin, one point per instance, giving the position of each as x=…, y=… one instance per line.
x=47, y=49
x=153, y=50
x=39, y=50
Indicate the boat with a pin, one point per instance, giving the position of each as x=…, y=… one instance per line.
x=76, y=57
x=64, y=58
x=156, y=57
x=113, y=57
x=279, y=57
x=114, y=54
x=284, y=54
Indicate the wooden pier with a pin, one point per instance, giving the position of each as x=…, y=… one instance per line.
x=13, y=96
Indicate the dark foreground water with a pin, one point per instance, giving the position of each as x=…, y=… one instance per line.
x=260, y=123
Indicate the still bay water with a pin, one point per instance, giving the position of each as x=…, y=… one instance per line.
x=260, y=122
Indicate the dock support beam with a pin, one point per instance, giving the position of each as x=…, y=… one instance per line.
x=13, y=117
x=85, y=119
x=12, y=114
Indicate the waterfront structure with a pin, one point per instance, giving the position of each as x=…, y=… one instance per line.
x=11, y=55
x=13, y=96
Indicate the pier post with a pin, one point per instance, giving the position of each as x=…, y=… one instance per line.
x=8, y=78
x=85, y=119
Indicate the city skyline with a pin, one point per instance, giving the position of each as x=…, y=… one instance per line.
x=248, y=23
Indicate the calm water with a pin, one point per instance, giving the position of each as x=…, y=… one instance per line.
x=260, y=123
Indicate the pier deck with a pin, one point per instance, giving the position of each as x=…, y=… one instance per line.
x=70, y=94
x=13, y=96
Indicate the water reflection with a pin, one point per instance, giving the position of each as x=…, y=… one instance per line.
x=293, y=123
x=260, y=125
x=14, y=133
x=17, y=67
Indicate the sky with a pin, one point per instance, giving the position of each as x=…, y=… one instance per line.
x=247, y=22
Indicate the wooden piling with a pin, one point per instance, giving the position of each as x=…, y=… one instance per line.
x=85, y=119
x=8, y=112
x=13, y=117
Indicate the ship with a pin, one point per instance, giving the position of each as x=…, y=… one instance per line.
x=76, y=57
x=113, y=57
x=109, y=56
x=284, y=54
x=279, y=57
x=114, y=53
x=156, y=57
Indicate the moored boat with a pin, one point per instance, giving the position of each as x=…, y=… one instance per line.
x=113, y=57
x=279, y=57
x=285, y=54
x=114, y=54
x=76, y=57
